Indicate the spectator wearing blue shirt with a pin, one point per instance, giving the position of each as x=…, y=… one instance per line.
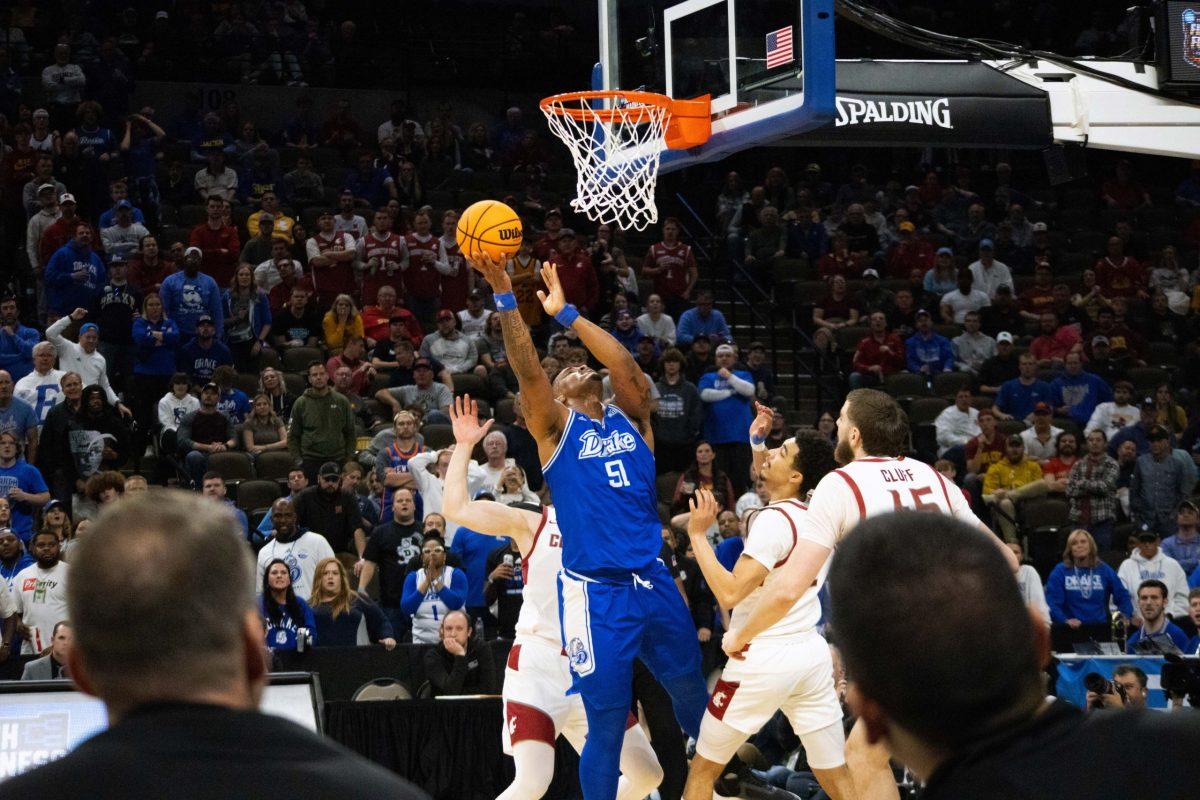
x=1077, y=393
x=927, y=351
x=732, y=542
x=189, y=294
x=73, y=275
x=1019, y=395
x=1160, y=483
x=432, y=591
x=370, y=183
x=118, y=190
x=13, y=557
x=1139, y=432
x=233, y=402
x=18, y=417
x=1152, y=608
x=22, y=484
x=213, y=485
x=703, y=319
x=1184, y=546
x=200, y=357
x=473, y=550
x=16, y=341
x=728, y=397
x=284, y=614
x=139, y=145
x=1078, y=593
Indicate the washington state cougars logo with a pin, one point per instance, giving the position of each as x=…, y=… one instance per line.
x=577, y=653
x=593, y=445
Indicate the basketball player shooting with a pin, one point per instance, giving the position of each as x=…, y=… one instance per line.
x=873, y=479
x=537, y=707
x=789, y=666
x=617, y=601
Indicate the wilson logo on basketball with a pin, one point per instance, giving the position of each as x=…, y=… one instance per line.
x=509, y=234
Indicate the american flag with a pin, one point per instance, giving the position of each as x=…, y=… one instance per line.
x=779, y=47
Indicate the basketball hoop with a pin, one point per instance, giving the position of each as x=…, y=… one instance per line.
x=615, y=139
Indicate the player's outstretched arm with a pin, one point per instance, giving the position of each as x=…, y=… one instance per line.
x=759, y=429
x=730, y=588
x=544, y=415
x=795, y=578
x=632, y=391
x=482, y=516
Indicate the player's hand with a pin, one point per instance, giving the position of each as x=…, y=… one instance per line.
x=464, y=419
x=492, y=271
x=704, y=508
x=554, y=299
x=733, y=645
x=763, y=421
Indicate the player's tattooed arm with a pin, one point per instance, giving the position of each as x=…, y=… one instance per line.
x=632, y=391
x=544, y=415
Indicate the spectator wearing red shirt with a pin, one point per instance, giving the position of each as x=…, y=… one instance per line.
x=1122, y=192
x=1056, y=471
x=909, y=253
x=546, y=245
x=218, y=242
x=575, y=271
x=149, y=266
x=381, y=256
x=877, y=355
x=353, y=357
x=1040, y=296
x=62, y=230
x=331, y=255
x=839, y=260
x=1120, y=275
x=1122, y=341
x=837, y=310
x=378, y=319
x=672, y=265
x=422, y=280
x=984, y=450
x=1053, y=343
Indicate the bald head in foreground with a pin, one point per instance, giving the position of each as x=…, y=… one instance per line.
x=945, y=666
x=168, y=636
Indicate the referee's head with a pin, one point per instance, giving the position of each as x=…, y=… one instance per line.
x=935, y=635
x=162, y=602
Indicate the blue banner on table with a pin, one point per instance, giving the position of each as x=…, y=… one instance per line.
x=1071, y=673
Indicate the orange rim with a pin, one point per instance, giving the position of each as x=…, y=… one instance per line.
x=557, y=104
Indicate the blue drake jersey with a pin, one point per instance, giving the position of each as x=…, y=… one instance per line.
x=602, y=479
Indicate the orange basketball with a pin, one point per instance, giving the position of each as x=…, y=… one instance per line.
x=490, y=226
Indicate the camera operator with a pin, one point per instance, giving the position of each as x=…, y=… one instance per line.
x=963, y=705
x=1127, y=689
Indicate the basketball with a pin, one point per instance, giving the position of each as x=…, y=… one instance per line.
x=489, y=226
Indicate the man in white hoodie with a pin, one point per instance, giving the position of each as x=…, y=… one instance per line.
x=1149, y=562
x=83, y=358
x=1110, y=417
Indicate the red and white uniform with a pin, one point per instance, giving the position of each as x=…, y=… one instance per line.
x=421, y=276
x=679, y=262
x=538, y=675
x=456, y=277
x=787, y=667
x=871, y=486
x=390, y=251
x=337, y=278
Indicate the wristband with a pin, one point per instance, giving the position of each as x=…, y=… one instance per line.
x=567, y=316
x=505, y=301
x=757, y=443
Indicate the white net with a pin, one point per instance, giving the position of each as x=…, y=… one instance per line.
x=616, y=153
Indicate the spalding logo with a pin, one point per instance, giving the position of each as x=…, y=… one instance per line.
x=508, y=234
x=577, y=653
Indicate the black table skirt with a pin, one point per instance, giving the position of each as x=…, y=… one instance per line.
x=450, y=748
